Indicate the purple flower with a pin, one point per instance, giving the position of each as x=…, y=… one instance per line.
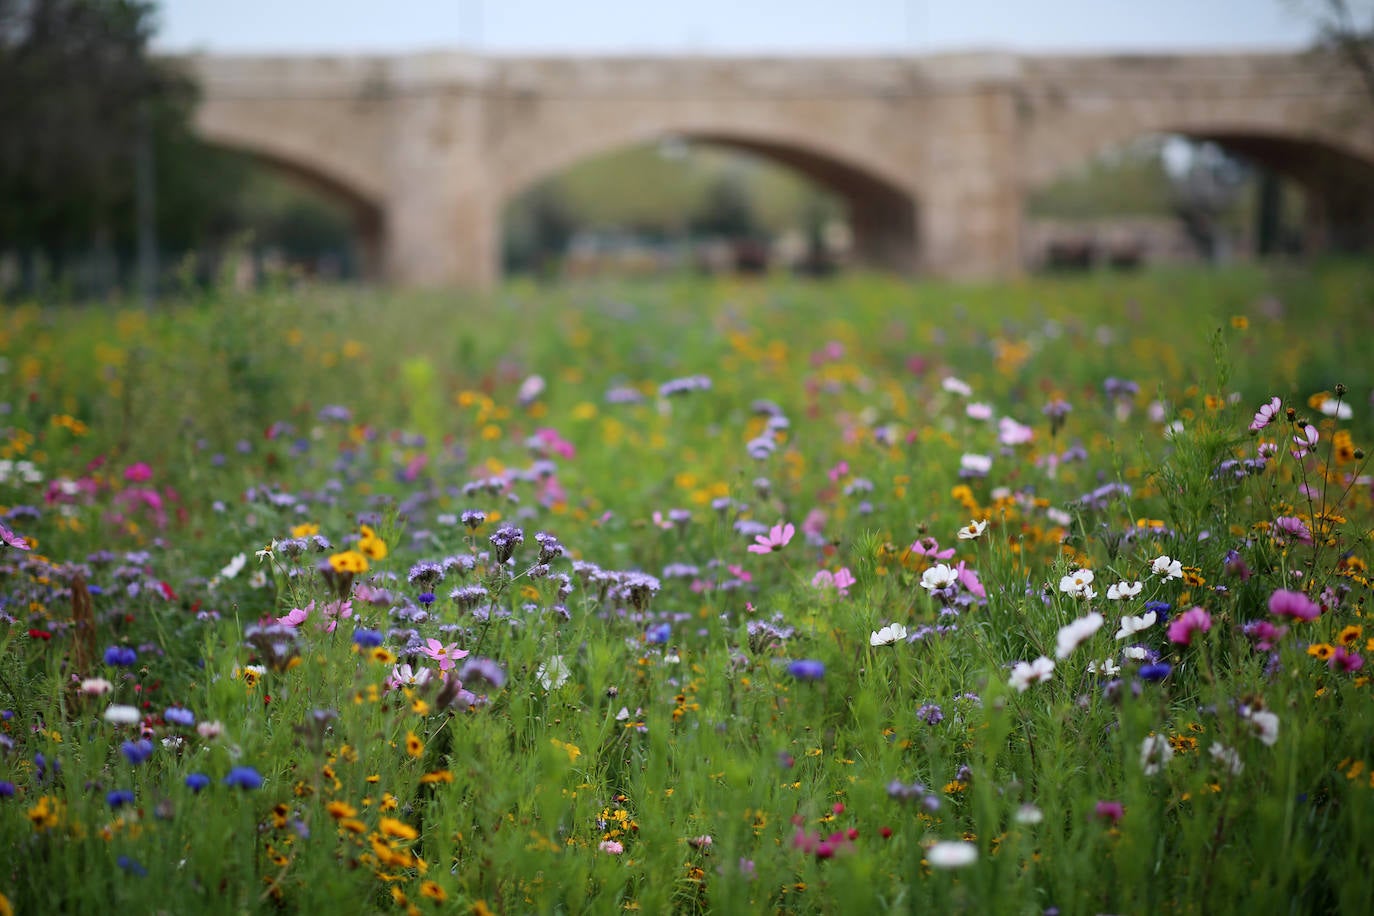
x=119, y=797
x=243, y=778
x=482, y=669
x=807, y=669
x=137, y=751
x=659, y=633
x=1155, y=672
x=931, y=714
x=1286, y=603
x=132, y=866
x=197, y=781
x=368, y=639
x=122, y=656
x=180, y=716
x=1266, y=414
x=6, y=789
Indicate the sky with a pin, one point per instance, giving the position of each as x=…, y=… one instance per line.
x=727, y=26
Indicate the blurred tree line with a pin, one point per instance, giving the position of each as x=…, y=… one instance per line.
x=84, y=107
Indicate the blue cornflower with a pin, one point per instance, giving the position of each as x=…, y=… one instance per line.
x=426, y=598
x=243, y=778
x=6, y=789
x=197, y=781
x=1156, y=672
x=1161, y=609
x=178, y=715
x=123, y=656
x=368, y=639
x=659, y=633
x=132, y=866
x=137, y=751
x=119, y=797
x=807, y=669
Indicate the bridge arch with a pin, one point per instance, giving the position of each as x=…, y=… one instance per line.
x=882, y=204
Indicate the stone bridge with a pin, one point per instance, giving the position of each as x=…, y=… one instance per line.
x=934, y=155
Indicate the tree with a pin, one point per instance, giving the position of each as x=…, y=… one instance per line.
x=1349, y=33
x=81, y=94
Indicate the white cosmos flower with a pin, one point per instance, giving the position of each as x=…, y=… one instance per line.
x=96, y=686
x=1078, y=584
x=1106, y=666
x=1023, y=674
x=1133, y=625
x=235, y=566
x=955, y=386
x=122, y=715
x=1123, y=590
x=1059, y=517
x=1227, y=757
x=553, y=673
x=1155, y=753
x=973, y=530
x=893, y=632
x=1072, y=635
x=1266, y=726
x=1168, y=568
x=975, y=464
x=938, y=576
x=1136, y=653
x=1338, y=409
x=1028, y=814
x=952, y=854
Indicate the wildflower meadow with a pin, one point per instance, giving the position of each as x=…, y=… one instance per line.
x=697, y=597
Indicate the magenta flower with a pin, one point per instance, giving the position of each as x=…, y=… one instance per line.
x=1286, y=603
x=776, y=539
x=1182, y=628
x=446, y=656
x=1266, y=414
x=1110, y=811
x=1344, y=660
x=1264, y=634
x=138, y=473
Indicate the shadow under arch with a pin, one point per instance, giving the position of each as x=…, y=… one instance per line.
x=1336, y=180
x=882, y=214
x=365, y=214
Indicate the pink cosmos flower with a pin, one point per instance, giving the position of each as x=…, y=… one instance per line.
x=1287, y=527
x=11, y=539
x=1266, y=414
x=1306, y=440
x=777, y=538
x=838, y=471
x=968, y=578
x=1286, y=603
x=1110, y=811
x=841, y=580
x=444, y=655
x=1182, y=627
x=296, y=616
x=556, y=443
x=929, y=547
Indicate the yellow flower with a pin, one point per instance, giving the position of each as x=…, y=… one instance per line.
x=572, y=750
x=433, y=891
x=384, y=655
x=340, y=810
x=371, y=545
x=1350, y=635
x=46, y=813
x=414, y=746
x=390, y=826
x=445, y=776
x=304, y=530
x=1320, y=651
x=350, y=561
x=1240, y=322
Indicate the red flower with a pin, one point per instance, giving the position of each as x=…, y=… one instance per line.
x=40, y=634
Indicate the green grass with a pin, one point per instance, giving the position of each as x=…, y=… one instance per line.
x=169, y=443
